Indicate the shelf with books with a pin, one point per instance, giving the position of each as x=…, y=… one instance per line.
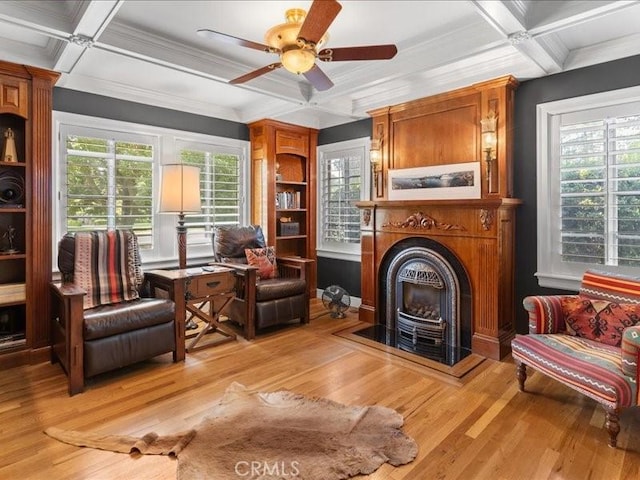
x=283, y=184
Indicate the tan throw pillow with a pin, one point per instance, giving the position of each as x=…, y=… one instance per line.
x=599, y=320
x=264, y=259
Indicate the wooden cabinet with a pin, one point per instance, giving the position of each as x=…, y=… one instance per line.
x=283, y=184
x=25, y=214
x=13, y=96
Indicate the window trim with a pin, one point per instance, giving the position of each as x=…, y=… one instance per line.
x=335, y=250
x=167, y=153
x=548, y=272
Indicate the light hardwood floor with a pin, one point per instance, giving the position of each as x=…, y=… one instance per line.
x=480, y=427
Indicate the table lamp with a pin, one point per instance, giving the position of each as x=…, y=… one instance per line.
x=180, y=193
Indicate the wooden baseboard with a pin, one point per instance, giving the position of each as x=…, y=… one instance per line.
x=25, y=356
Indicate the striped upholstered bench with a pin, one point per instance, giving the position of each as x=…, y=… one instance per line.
x=589, y=342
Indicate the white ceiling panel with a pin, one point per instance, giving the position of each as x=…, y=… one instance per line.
x=148, y=51
x=626, y=23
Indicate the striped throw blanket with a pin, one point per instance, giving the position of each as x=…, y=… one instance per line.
x=105, y=266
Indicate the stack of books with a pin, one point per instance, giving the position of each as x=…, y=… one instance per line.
x=288, y=200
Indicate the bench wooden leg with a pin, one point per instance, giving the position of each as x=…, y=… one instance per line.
x=521, y=375
x=613, y=425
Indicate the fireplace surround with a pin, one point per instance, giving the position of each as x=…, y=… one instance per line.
x=471, y=252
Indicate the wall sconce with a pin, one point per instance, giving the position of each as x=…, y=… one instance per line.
x=489, y=142
x=375, y=157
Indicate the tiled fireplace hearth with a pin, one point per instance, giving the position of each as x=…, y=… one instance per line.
x=438, y=275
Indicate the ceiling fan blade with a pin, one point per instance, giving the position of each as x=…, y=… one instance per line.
x=318, y=79
x=223, y=37
x=372, y=52
x=256, y=73
x=317, y=21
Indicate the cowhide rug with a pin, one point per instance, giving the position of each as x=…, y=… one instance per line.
x=273, y=435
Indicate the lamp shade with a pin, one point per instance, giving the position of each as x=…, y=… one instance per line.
x=489, y=138
x=180, y=189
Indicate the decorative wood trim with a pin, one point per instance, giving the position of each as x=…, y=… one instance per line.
x=366, y=217
x=486, y=218
x=420, y=221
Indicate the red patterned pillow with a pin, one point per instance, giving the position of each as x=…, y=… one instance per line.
x=264, y=259
x=599, y=320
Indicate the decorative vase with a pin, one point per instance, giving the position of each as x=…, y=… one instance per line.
x=9, y=153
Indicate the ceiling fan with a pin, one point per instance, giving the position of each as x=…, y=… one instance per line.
x=299, y=43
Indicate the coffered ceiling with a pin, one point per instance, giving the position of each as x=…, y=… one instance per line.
x=149, y=52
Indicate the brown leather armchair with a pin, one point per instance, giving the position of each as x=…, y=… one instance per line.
x=106, y=337
x=261, y=303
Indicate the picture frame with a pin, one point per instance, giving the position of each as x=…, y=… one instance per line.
x=438, y=182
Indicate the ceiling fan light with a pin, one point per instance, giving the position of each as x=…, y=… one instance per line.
x=298, y=61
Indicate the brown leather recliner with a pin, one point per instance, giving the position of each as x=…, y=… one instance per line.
x=107, y=337
x=261, y=303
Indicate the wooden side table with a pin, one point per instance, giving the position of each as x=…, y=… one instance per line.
x=203, y=292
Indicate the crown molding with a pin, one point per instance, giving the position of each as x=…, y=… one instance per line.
x=25, y=54
x=603, y=52
x=114, y=89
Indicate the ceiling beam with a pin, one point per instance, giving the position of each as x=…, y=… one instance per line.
x=92, y=22
x=549, y=54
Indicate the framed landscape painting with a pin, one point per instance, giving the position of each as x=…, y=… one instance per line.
x=439, y=182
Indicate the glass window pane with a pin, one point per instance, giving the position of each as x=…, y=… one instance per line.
x=599, y=173
x=109, y=184
x=220, y=191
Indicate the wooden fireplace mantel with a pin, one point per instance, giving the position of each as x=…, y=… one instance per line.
x=436, y=131
x=478, y=232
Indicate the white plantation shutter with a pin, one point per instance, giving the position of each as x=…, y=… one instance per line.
x=340, y=191
x=341, y=183
x=600, y=191
x=107, y=180
x=588, y=189
x=220, y=186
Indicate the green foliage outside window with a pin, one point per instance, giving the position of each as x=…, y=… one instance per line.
x=600, y=192
x=109, y=184
x=341, y=190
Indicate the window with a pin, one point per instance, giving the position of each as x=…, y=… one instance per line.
x=108, y=173
x=220, y=184
x=108, y=181
x=343, y=180
x=589, y=187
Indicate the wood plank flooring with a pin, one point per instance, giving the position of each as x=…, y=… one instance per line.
x=479, y=427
